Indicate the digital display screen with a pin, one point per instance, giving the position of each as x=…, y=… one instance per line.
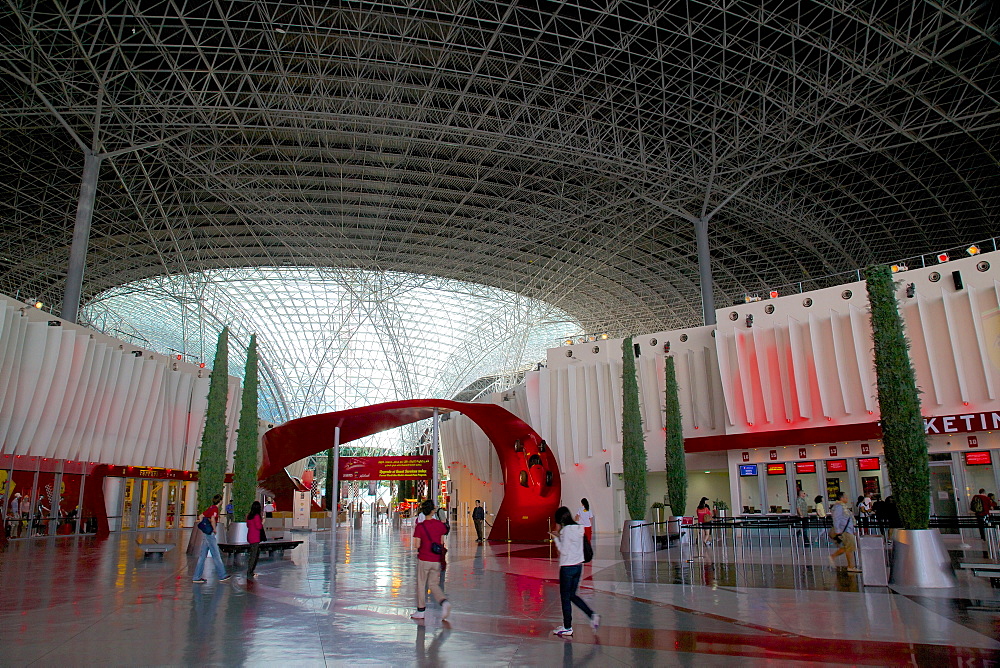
x=869, y=464
x=805, y=467
x=775, y=469
x=978, y=458
x=748, y=469
x=836, y=465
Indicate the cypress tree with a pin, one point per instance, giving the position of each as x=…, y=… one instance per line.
x=903, y=438
x=212, y=464
x=633, y=442
x=676, y=467
x=246, y=461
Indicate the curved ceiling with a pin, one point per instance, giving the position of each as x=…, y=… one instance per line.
x=553, y=150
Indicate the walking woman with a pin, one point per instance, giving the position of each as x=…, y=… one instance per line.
x=569, y=542
x=705, y=515
x=255, y=525
x=210, y=544
x=585, y=518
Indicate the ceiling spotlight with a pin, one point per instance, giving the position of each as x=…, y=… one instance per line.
x=749, y=320
x=39, y=304
x=604, y=336
x=899, y=267
x=774, y=294
x=942, y=257
x=911, y=290
x=569, y=342
x=973, y=250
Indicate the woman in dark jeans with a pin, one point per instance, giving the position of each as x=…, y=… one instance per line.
x=569, y=542
x=254, y=526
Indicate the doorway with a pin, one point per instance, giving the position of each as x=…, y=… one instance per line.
x=943, y=501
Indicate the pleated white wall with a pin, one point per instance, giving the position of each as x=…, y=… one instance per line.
x=69, y=393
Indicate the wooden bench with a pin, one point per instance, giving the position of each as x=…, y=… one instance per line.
x=270, y=546
x=152, y=547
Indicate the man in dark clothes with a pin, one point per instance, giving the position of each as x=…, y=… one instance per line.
x=478, y=517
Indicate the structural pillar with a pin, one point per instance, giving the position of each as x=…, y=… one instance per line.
x=333, y=476
x=81, y=236
x=705, y=271
x=434, y=459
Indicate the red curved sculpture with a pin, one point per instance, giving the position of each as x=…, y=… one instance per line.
x=530, y=473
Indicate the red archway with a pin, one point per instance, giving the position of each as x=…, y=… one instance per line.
x=531, y=475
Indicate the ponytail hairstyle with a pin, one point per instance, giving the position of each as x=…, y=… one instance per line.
x=701, y=504
x=586, y=504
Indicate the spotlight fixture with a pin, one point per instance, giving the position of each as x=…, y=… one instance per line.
x=973, y=250
x=54, y=323
x=137, y=353
x=774, y=294
x=911, y=290
x=39, y=305
x=604, y=337
x=666, y=347
x=899, y=267
x=749, y=320
x=942, y=257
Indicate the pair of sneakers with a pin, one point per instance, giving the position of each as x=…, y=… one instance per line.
x=562, y=631
x=203, y=580
x=445, y=611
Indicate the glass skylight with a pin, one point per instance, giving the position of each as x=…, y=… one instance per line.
x=331, y=339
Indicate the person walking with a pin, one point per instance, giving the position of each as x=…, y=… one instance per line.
x=844, y=533
x=478, y=517
x=427, y=536
x=705, y=515
x=585, y=518
x=210, y=543
x=569, y=541
x=255, y=527
x=981, y=505
x=802, y=511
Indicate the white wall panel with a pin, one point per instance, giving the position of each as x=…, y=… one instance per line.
x=983, y=354
x=860, y=324
x=931, y=390
x=800, y=368
x=727, y=362
x=575, y=410
x=955, y=339
x=761, y=337
x=32, y=357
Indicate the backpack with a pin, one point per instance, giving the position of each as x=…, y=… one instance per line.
x=977, y=504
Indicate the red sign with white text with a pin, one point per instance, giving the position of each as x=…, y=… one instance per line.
x=805, y=467
x=833, y=451
x=868, y=464
x=775, y=469
x=865, y=449
x=836, y=465
x=973, y=441
x=802, y=453
x=773, y=454
x=978, y=458
x=386, y=468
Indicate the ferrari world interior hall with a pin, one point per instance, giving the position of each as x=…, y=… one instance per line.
x=500, y=333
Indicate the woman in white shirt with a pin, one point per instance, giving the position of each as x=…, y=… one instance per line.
x=569, y=542
x=585, y=518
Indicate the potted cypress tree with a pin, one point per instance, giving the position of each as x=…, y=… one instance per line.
x=212, y=463
x=919, y=557
x=640, y=538
x=676, y=469
x=246, y=460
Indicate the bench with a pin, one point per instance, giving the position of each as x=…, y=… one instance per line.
x=152, y=547
x=983, y=570
x=270, y=546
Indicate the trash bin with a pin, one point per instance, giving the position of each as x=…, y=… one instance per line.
x=874, y=572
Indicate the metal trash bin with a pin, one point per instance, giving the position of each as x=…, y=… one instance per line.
x=874, y=570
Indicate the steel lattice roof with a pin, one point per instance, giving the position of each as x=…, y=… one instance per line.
x=557, y=150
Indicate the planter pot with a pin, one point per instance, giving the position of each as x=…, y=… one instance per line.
x=721, y=514
x=639, y=539
x=920, y=560
x=657, y=514
x=237, y=532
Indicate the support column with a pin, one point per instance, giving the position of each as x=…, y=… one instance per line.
x=705, y=271
x=333, y=476
x=434, y=459
x=81, y=236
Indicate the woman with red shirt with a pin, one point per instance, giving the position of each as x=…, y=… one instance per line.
x=705, y=515
x=254, y=527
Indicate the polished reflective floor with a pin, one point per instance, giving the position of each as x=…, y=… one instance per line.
x=345, y=597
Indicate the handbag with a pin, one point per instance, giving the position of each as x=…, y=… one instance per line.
x=206, y=526
x=588, y=550
x=263, y=536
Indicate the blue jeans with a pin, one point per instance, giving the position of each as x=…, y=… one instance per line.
x=569, y=580
x=210, y=543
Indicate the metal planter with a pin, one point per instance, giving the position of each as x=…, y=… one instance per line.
x=920, y=560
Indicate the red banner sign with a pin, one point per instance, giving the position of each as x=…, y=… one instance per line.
x=868, y=464
x=835, y=465
x=775, y=469
x=805, y=467
x=386, y=468
x=978, y=458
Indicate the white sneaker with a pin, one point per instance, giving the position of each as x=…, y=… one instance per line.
x=445, y=610
x=563, y=631
x=595, y=621
x=419, y=614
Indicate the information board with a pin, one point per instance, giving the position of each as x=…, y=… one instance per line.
x=386, y=468
x=748, y=469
